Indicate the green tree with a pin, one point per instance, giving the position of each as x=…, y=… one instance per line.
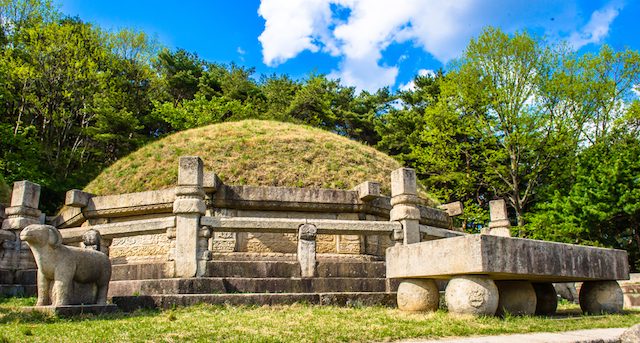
x=602, y=207
x=180, y=72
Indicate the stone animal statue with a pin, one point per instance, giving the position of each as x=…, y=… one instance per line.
x=66, y=275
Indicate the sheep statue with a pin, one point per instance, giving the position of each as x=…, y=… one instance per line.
x=66, y=275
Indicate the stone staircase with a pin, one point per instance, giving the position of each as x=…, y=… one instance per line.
x=343, y=281
x=18, y=283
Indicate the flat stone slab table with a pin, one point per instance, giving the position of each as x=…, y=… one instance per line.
x=493, y=274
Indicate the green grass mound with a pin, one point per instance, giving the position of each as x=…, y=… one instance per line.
x=251, y=152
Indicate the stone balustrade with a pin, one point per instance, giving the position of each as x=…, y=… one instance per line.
x=184, y=225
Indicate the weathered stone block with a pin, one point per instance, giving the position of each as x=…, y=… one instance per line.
x=368, y=190
x=211, y=182
x=400, y=212
x=453, y=208
x=25, y=193
x=516, y=297
x=499, y=217
x=496, y=231
x=505, y=258
x=498, y=210
x=597, y=297
x=190, y=171
x=186, y=244
x=546, y=298
x=418, y=295
x=403, y=181
x=472, y=294
x=77, y=198
x=306, y=255
x=189, y=206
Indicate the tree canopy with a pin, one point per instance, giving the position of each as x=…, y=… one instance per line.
x=553, y=132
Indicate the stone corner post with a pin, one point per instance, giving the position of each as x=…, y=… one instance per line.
x=404, y=200
x=307, y=234
x=499, y=224
x=23, y=211
x=191, y=240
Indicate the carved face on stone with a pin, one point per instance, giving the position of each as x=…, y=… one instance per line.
x=38, y=235
x=91, y=237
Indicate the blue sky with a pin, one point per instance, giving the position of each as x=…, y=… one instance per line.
x=365, y=43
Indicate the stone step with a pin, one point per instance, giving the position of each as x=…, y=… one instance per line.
x=17, y=290
x=21, y=277
x=166, y=301
x=257, y=269
x=264, y=269
x=209, y=285
x=138, y=271
x=264, y=256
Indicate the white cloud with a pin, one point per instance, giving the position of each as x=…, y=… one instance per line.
x=359, y=31
x=597, y=28
x=411, y=85
x=292, y=27
x=240, y=51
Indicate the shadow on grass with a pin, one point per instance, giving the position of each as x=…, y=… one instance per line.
x=11, y=312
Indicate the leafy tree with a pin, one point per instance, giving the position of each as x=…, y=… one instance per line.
x=279, y=92
x=312, y=103
x=180, y=72
x=603, y=205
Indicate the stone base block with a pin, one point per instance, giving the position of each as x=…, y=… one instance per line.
x=165, y=301
x=418, y=295
x=475, y=295
x=546, y=298
x=516, y=298
x=17, y=290
x=72, y=310
x=206, y=285
x=598, y=297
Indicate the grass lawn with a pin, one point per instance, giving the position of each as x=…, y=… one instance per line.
x=295, y=323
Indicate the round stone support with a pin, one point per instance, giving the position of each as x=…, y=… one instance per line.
x=516, y=297
x=546, y=298
x=476, y=295
x=598, y=297
x=418, y=295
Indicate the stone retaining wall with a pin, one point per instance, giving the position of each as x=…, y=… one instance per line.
x=83, y=211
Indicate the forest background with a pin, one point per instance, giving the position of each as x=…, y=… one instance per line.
x=553, y=132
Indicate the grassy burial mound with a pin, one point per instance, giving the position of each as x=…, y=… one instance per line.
x=251, y=152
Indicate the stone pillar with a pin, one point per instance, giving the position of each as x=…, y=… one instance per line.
x=404, y=200
x=22, y=211
x=499, y=224
x=307, y=234
x=188, y=207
